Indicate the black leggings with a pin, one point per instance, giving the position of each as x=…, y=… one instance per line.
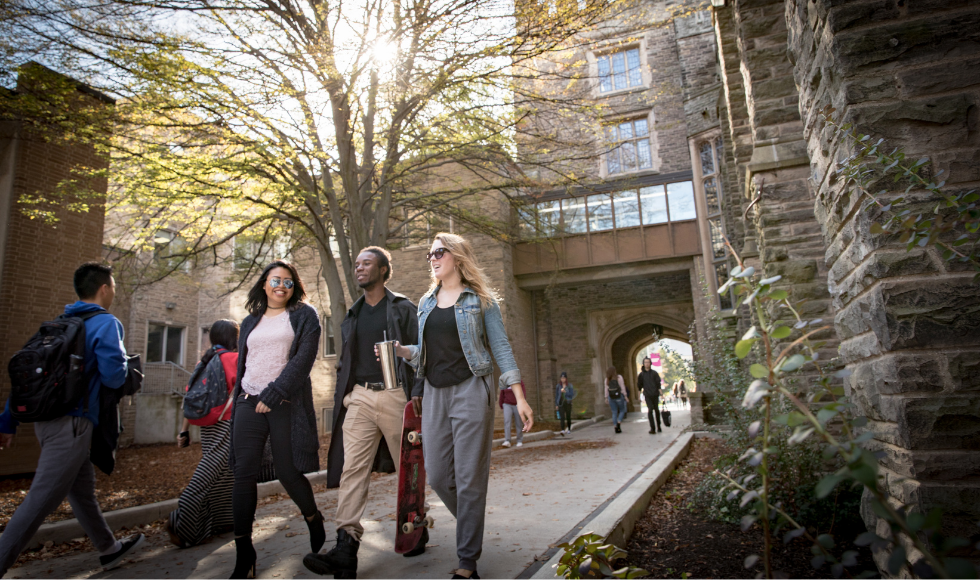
x=251, y=431
x=566, y=416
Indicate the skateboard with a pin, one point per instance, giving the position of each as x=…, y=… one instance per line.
x=411, y=516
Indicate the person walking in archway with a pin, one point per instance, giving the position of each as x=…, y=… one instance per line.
x=460, y=327
x=274, y=400
x=616, y=397
x=564, y=395
x=649, y=382
x=682, y=391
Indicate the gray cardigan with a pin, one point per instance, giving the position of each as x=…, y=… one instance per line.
x=293, y=384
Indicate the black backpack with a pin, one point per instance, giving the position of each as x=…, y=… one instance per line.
x=614, y=391
x=47, y=376
x=207, y=389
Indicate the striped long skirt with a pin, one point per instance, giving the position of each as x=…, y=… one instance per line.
x=204, y=507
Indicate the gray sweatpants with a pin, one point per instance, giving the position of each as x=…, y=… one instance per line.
x=511, y=416
x=63, y=470
x=457, y=432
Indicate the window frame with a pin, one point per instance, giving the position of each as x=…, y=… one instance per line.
x=708, y=215
x=613, y=47
x=327, y=334
x=608, y=149
x=182, y=356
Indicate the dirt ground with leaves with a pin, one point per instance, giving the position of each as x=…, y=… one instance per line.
x=670, y=540
x=128, y=485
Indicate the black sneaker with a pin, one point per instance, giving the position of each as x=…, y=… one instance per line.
x=474, y=575
x=111, y=561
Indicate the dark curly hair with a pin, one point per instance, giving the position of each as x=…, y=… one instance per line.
x=257, y=301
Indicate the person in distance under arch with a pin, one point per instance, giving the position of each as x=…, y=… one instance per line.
x=459, y=318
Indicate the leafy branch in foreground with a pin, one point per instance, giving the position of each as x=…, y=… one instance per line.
x=590, y=556
x=915, y=542
x=948, y=221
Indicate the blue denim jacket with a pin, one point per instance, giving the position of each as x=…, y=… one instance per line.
x=475, y=332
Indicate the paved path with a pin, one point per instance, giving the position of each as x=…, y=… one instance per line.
x=537, y=495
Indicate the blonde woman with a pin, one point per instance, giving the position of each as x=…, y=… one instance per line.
x=459, y=328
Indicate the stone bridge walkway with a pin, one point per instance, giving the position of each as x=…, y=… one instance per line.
x=537, y=495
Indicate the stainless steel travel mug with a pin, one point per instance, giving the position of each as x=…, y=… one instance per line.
x=386, y=352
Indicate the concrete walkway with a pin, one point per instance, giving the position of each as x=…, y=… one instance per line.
x=537, y=495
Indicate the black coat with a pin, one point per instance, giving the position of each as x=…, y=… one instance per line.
x=650, y=385
x=293, y=384
x=403, y=326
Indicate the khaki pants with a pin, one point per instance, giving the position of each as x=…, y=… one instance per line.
x=370, y=414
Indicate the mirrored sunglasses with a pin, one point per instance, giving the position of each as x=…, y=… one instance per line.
x=275, y=282
x=437, y=254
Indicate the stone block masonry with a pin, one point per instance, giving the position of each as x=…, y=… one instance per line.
x=903, y=71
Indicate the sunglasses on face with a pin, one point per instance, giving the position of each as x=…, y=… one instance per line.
x=438, y=253
x=275, y=282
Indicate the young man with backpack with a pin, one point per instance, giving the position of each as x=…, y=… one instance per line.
x=64, y=468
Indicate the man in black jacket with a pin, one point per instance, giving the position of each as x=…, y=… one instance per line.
x=364, y=411
x=649, y=382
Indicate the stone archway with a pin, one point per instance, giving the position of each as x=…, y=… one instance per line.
x=616, y=335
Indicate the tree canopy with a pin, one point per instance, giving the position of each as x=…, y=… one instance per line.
x=319, y=122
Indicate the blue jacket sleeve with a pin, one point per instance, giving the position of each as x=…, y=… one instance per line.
x=110, y=354
x=500, y=346
x=7, y=422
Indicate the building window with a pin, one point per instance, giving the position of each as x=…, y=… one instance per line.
x=257, y=251
x=600, y=212
x=627, y=209
x=619, y=70
x=165, y=344
x=329, y=346
x=573, y=215
x=651, y=205
x=629, y=143
x=167, y=247
x=709, y=153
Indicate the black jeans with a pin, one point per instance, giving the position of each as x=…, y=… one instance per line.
x=566, y=415
x=251, y=431
x=651, y=411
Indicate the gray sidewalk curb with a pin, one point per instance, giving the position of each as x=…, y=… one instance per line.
x=616, y=521
x=63, y=531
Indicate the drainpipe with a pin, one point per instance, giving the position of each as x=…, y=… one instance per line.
x=534, y=334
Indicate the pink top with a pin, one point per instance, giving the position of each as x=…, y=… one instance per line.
x=268, y=352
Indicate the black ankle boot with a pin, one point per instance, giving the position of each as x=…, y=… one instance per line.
x=244, y=558
x=317, y=534
x=341, y=561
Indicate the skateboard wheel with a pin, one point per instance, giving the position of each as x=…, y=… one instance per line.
x=408, y=528
x=429, y=522
x=414, y=437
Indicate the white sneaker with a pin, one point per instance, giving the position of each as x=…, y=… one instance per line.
x=520, y=444
x=505, y=444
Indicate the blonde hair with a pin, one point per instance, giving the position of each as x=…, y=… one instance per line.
x=470, y=273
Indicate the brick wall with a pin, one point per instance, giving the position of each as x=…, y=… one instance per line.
x=908, y=322
x=39, y=258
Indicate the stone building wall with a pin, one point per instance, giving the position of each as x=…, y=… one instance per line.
x=908, y=321
x=564, y=328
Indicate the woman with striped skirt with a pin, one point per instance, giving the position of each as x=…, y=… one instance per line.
x=204, y=507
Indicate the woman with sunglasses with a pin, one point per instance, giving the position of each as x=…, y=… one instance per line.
x=460, y=326
x=274, y=400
